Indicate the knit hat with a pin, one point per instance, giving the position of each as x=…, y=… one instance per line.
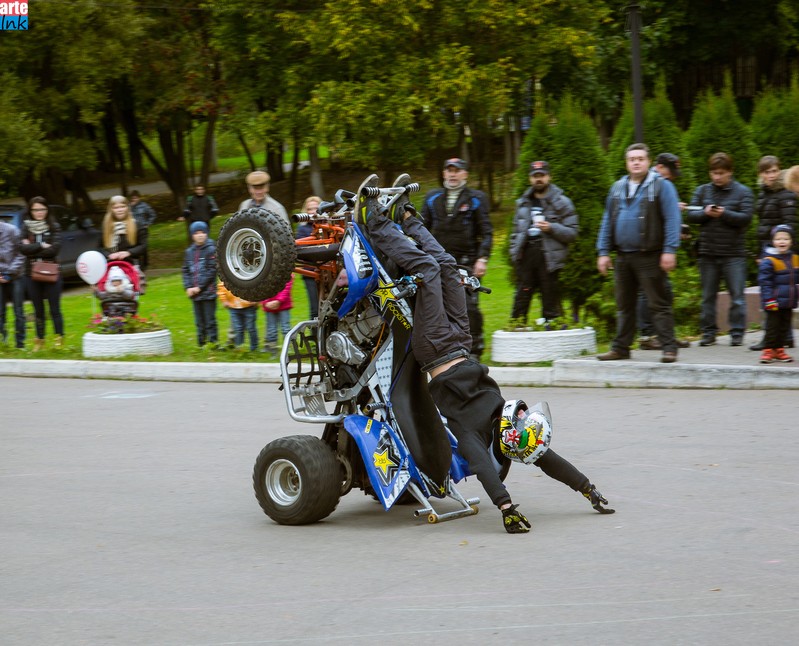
x=198, y=226
x=782, y=228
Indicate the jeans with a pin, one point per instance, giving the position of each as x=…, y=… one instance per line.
x=243, y=320
x=645, y=326
x=13, y=291
x=273, y=319
x=641, y=271
x=711, y=270
x=205, y=320
x=51, y=292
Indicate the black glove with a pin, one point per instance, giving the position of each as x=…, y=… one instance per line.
x=514, y=521
x=597, y=500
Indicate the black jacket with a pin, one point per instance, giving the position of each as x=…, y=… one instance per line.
x=33, y=250
x=775, y=205
x=136, y=250
x=724, y=236
x=467, y=233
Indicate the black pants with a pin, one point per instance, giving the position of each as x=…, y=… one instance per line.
x=641, y=270
x=475, y=323
x=532, y=275
x=778, y=328
x=50, y=292
x=562, y=470
x=440, y=321
x=645, y=326
x=13, y=292
x=205, y=320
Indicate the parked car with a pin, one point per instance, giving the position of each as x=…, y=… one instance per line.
x=77, y=235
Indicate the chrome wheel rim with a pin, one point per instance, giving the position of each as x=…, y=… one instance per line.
x=283, y=482
x=246, y=254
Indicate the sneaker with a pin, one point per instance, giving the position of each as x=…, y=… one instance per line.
x=403, y=203
x=668, y=357
x=597, y=500
x=683, y=343
x=767, y=356
x=707, y=339
x=365, y=207
x=613, y=355
x=781, y=355
x=649, y=343
x=737, y=339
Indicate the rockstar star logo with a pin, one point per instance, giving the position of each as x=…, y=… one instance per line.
x=383, y=461
x=384, y=293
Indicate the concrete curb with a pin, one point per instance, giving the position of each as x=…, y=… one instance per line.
x=565, y=373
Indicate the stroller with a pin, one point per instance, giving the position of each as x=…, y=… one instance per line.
x=119, y=289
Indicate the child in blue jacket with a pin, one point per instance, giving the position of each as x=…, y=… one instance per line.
x=778, y=275
x=199, y=281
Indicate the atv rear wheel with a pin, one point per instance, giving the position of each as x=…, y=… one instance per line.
x=297, y=480
x=256, y=254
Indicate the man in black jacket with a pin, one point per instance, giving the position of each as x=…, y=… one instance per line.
x=457, y=216
x=200, y=208
x=725, y=215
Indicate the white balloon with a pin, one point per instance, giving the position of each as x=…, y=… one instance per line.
x=91, y=266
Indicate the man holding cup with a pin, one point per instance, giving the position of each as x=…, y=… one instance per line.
x=543, y=227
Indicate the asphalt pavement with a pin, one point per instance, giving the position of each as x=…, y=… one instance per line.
x=128, y=518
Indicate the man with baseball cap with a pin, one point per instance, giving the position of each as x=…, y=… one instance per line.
x=544, y=226
x=258, y=186
x=457, y=216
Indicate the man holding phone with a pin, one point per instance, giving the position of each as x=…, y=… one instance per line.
x=726, y=212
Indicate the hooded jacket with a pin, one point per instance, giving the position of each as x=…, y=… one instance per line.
x=559, y=212
x=777, y=276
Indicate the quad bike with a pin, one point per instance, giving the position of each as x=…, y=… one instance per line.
x=351, y=370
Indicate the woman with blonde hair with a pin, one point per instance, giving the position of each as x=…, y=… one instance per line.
x=310, y=205
x=122, y=238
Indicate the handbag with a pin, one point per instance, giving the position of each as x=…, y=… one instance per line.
x=45, y=271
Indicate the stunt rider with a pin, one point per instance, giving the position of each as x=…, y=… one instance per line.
x=477, y=414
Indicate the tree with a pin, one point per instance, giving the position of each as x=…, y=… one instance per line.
x=774, y=120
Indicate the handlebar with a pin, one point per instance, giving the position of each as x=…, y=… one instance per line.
x=374, y=191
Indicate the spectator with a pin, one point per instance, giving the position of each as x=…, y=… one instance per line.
x=122, y=237
x=12, y=282
x=258, y=183
x=641, y=223
x=199, y=208
x=775, y=205
x=667, y=165
x=41, y=240
x=778, y=275
x=457, y=216
x=242, y=316
x=726, y=213
x=199, y=281
x=305, y=229
x=544, y=226
x=145, y=216
x=278, y=313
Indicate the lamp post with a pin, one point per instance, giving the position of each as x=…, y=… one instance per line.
x=634, y=27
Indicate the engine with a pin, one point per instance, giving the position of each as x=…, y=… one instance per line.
x=355, y=337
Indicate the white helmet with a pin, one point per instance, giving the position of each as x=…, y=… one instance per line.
x=524, y=436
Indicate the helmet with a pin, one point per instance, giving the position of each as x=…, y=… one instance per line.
x=524, y=435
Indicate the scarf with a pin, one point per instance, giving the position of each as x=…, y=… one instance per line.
x=37, y=227
x=120, y=229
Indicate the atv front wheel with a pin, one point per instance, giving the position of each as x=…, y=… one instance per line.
x=297, y=480
x=256, y=254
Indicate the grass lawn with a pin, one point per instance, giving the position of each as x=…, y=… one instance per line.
x=166, y=301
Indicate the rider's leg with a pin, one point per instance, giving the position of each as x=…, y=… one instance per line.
x=434, y=337
x=451, y=288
